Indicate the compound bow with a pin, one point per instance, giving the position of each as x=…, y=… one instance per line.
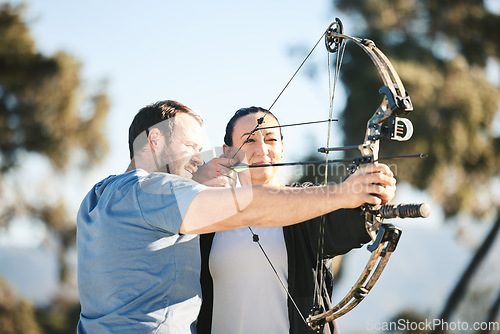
x=396, y=102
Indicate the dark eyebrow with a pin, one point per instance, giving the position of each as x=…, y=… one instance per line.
x=259, y=129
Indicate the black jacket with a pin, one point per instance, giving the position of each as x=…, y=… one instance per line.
x=344, y=230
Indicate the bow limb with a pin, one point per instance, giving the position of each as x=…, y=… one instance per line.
x=388, y=238
x=385, y=68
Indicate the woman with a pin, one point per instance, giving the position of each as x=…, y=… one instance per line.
x=241, y=291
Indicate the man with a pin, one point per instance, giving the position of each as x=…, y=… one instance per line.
x=138, y=246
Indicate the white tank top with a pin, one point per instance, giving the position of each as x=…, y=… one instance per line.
x=248, y=297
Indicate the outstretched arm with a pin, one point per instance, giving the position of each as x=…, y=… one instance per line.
x=218, y=209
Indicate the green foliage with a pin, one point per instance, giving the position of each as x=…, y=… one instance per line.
x=20, y=317
x=59, y=318
x=41, y=101
x=45, y=111
x=16, y=317
x=439, y=49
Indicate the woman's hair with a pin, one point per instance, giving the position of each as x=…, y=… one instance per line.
x=228, y=137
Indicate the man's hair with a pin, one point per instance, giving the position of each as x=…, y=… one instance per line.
x=153, y=114
x=228, y=137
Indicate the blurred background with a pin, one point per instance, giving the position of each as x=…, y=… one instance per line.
x=73, y=75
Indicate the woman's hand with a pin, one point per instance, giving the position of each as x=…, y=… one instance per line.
x=371, y=184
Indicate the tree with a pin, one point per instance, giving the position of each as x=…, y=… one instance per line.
x=48, y=113
x=16, y=317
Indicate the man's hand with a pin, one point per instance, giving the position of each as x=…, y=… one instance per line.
x=371, y=184
x=214, y=174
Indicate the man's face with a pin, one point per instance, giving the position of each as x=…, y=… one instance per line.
x=182, y=151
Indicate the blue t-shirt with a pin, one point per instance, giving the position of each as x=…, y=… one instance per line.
x=136, y=273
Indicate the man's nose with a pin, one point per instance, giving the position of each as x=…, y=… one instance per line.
x=196, y=160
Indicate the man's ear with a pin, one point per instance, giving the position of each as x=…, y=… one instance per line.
x=153, y=137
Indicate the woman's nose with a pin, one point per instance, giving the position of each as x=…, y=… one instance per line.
x=261, y=148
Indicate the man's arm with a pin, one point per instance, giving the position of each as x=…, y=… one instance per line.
x=219, y=209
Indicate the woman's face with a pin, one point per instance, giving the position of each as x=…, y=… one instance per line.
x=263, y=147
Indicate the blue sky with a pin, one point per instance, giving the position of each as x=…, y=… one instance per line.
x=219, y=56
x=214, y=56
